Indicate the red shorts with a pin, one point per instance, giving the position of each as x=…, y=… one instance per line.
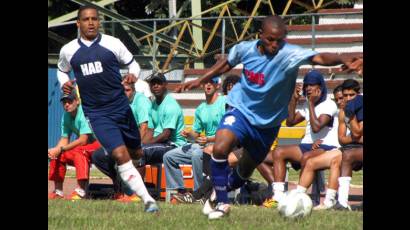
x=79, y=157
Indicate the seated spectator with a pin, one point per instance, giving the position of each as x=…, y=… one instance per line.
x=319, y=112
x=165, y=126
x=207, y=117
x=327, y=160
x=351, y=138
x=141, y=108
x=76, y=153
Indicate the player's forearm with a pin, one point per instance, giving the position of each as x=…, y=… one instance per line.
x=217, y=69
x=62, y=77
x=328, y=59
x=290, y=120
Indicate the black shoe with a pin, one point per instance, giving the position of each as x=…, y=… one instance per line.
x=201, y=201
x=340, y=207
x=185, y=198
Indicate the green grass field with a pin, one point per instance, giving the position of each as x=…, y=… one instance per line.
x=106, y=214
x=113, y=215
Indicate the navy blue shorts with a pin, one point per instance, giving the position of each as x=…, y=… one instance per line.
x=255, y=140
x=117, y=129
x=308, y=147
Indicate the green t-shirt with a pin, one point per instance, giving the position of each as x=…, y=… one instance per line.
x=168, y=115
x=141, y=108
x=78, y=125
x=207, y=117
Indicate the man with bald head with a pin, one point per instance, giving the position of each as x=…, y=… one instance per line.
x=258, y=104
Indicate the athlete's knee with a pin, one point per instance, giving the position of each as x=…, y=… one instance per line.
x=336, y=162
x=135, y=154
x=305, y=159
x=80, y=157
x=347, y=157
x=309, y=164
x=197, y=155
x=168, y=157
x=121, y=155
x=278, y=154
x=232, y=160
x=221, y=150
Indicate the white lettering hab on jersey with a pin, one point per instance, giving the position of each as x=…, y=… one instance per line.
x=91, y=68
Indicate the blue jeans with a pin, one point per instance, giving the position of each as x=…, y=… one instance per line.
x=187, y=154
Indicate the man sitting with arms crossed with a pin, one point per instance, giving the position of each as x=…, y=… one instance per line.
x=351, y=138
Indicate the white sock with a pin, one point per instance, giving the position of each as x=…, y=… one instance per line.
x=278, y=190
x=330, y=197
x=132, y=178
x=80, y=191
x=344, y=186
x=59, y=192
x=301, y=189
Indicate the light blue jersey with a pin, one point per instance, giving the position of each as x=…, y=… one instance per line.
x=267, y=82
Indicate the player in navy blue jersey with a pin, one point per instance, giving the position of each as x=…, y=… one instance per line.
x=96, y=59
x=259, y=103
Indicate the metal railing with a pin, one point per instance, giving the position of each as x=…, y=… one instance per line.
x=155, y=49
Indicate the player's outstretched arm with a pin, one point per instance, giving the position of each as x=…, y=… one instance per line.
x=217, y=69
x=349, y=64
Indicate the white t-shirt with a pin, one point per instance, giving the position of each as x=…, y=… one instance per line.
x=327, y=134
x=142, y=86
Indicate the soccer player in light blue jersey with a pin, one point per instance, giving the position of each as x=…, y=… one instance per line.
x=258, y=104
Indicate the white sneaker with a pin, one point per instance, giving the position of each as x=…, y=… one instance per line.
x=210, y=204
x=325, y=205
x=220, y=211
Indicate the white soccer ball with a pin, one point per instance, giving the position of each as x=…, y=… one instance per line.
x=295, y=205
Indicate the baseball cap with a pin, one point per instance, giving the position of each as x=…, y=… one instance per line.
x=71, y=96
x=216, y=79
x=157, y=76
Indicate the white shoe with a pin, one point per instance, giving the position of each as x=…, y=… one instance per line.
x=325, y=206
x=220, y=211
x=210, y=204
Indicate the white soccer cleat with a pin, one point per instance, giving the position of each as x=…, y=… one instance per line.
x=210, y=204
x=220, y=211
x=325, y=206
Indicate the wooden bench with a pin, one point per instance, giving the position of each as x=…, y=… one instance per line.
x=294, y=132
x=155, y=174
